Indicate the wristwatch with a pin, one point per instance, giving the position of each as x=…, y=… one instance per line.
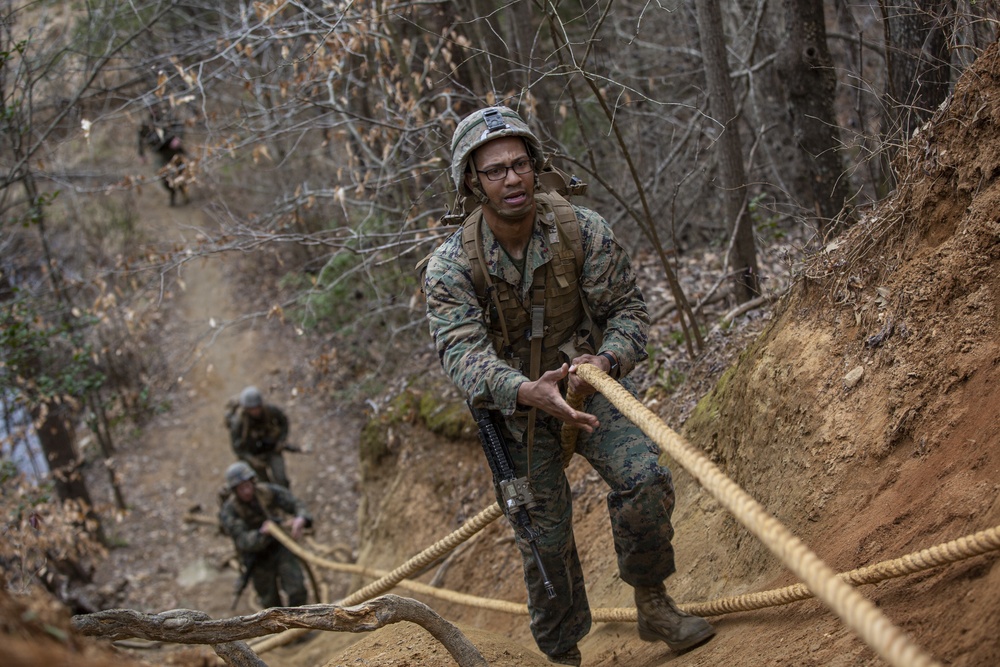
x=613, y=371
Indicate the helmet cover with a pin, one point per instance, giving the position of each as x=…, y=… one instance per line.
x=481, y=127
x=238, y=473
x=250, y=398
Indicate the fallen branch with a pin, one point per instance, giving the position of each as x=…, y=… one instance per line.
x=185, y=626
x=743, y=308
x=191, y=517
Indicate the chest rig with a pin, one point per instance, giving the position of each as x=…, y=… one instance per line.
x=536, y=332
x=257, y=511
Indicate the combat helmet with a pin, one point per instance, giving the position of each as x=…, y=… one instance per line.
x=238, y=473
x=250, y=398
x=483, y=126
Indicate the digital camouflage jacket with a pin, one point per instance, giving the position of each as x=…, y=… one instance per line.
x=242, y=521
x=257, y=436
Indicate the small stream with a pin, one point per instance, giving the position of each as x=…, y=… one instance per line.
x=18, y=442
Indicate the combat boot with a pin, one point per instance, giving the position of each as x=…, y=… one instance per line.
x=660, y=619
x=571, y=657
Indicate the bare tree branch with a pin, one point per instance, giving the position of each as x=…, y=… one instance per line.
x=185, y=626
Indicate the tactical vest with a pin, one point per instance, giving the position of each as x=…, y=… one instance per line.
x=264, y=430
x=254, y=514
x=552, y=325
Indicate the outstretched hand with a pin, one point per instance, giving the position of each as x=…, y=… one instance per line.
x=544, y=394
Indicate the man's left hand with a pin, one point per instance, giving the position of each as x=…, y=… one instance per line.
x=577, y=384
x=298, y=524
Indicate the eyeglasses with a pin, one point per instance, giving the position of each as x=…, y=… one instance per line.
x=499, y=173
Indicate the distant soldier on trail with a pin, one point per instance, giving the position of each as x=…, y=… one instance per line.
x=258, y=433
x=163, y=138
x=247, y=517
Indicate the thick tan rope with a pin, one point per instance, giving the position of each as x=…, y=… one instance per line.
x=962, y=548
x=415, y=586
x=969, y=546
x=425, y=557
x=856, y=611
x=950, y=552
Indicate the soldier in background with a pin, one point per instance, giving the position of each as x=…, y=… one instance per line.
x=162, y=136
x=247, y=517
x=258, y=433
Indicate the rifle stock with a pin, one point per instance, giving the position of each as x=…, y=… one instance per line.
x=515, y=491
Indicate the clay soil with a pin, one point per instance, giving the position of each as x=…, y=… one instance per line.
x=863, y=468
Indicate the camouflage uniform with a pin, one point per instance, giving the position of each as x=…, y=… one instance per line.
x=272, y=562
x=259, y=442
x=641, y=498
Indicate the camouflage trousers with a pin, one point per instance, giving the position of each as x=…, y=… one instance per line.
x=640, y=503
x=276, y=567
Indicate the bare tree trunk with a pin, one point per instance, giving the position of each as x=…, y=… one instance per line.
x=743, y=252
x=524, y=33
x=810, y=86
x=55, y=434
x=918, y=63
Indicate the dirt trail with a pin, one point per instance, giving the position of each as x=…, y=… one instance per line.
x=178, y=465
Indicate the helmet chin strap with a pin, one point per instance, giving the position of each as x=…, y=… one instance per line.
x=479, y=194
x=477, y=190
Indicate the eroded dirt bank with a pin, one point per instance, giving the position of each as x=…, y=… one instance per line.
x=862, y=467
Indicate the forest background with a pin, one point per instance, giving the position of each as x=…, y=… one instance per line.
x=317, y=139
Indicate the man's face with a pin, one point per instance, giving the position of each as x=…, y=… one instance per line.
x=255, y=412
x=244, y=490
x=512, y=198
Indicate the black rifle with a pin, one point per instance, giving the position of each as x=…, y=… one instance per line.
x=249, y=562
x=263, y=447
x=515, y=491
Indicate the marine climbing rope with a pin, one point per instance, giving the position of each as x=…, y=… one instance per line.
x=834, y=590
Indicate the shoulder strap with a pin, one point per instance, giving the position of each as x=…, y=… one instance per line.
x=472, y=244
x=566, y=223
x=482, y=281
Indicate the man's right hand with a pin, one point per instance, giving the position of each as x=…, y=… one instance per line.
x=297, y=525
x=544, y=394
